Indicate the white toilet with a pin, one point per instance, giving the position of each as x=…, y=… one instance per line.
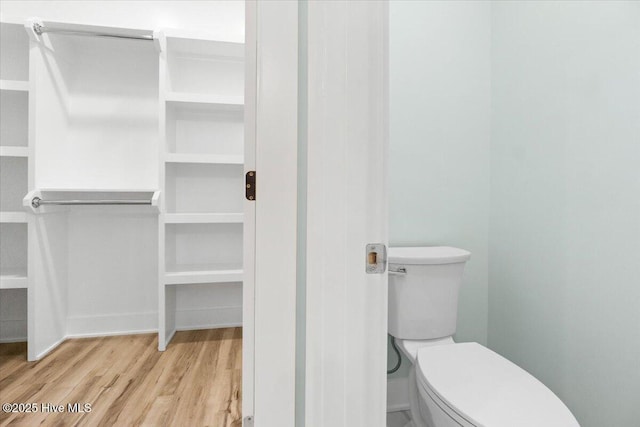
x=457, y=384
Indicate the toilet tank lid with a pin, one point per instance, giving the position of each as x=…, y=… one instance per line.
x=427, y=255
x=487, y=389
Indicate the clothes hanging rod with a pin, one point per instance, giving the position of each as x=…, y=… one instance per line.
x=39, y=29
x=36, y=202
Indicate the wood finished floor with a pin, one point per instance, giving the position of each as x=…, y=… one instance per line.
x=128, y=382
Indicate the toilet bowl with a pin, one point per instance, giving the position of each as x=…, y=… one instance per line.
x=457, y=384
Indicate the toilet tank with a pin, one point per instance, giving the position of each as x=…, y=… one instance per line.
x=423, y=291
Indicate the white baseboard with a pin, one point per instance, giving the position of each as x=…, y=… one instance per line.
x=202, y=327
x=136, y=323
x=112, y=324
x=143, y=323
x=208, y=318
x=111, y=334
x=10, y=340
x=397, y=394
x=48, y=350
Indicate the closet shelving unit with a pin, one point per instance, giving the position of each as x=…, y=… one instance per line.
x=201, y=171
x=114, y=152
x=15, y=180
x=93, y=136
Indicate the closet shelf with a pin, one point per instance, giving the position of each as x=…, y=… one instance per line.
x=203, y=218
x=13, y=217
x=231, y=102
x=201, y=43
x=10, y=151
x=192, y=274
x=14, y=85
x=216, y=159
x=13, y=279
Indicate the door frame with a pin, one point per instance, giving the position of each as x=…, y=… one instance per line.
x=346, y=132
x=270, y=223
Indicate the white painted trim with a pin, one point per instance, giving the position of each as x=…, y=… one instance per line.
x=208, y=318
x=12, y=340
x=199, y=328
x=166, y=297
x=398, y=394
x=47, y=350
x=249, y=209
x=111, y=334
x=111, y=324
x=346, y=339
x=142, y=323
x=276, y=139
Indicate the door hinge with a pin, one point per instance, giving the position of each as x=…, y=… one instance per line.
x=247, y=421
x=250, y=185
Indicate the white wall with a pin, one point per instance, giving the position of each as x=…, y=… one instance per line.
x=563, y=80
x=112, y=267
x=564, y=300
x=439, y=148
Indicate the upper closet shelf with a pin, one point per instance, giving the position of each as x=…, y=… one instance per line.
x=204, y=98
x=13, y=217
x=13, y=279
x=216, y=159
x=199, y=43
x=14, y=85
x=9, y=151
x=203, y=218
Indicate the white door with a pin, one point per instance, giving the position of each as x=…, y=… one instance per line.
x=346, y=309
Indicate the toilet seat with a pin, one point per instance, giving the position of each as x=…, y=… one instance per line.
x=478, y=387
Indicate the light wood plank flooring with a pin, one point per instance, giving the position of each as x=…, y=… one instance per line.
x=128, y=382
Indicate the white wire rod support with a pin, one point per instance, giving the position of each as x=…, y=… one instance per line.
x=36, y=202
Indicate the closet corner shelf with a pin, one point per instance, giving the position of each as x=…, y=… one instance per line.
x=13, y=280
x=219, y=159
x=14, y=85
x=204, y=99
x=8, y=151
x=203, y=218
x=187, y=277
x=13, y=217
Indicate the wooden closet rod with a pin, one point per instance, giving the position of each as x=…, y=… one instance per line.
x=40, y=29
x=36, y=202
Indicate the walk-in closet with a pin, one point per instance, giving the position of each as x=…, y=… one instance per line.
x=122, y=182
